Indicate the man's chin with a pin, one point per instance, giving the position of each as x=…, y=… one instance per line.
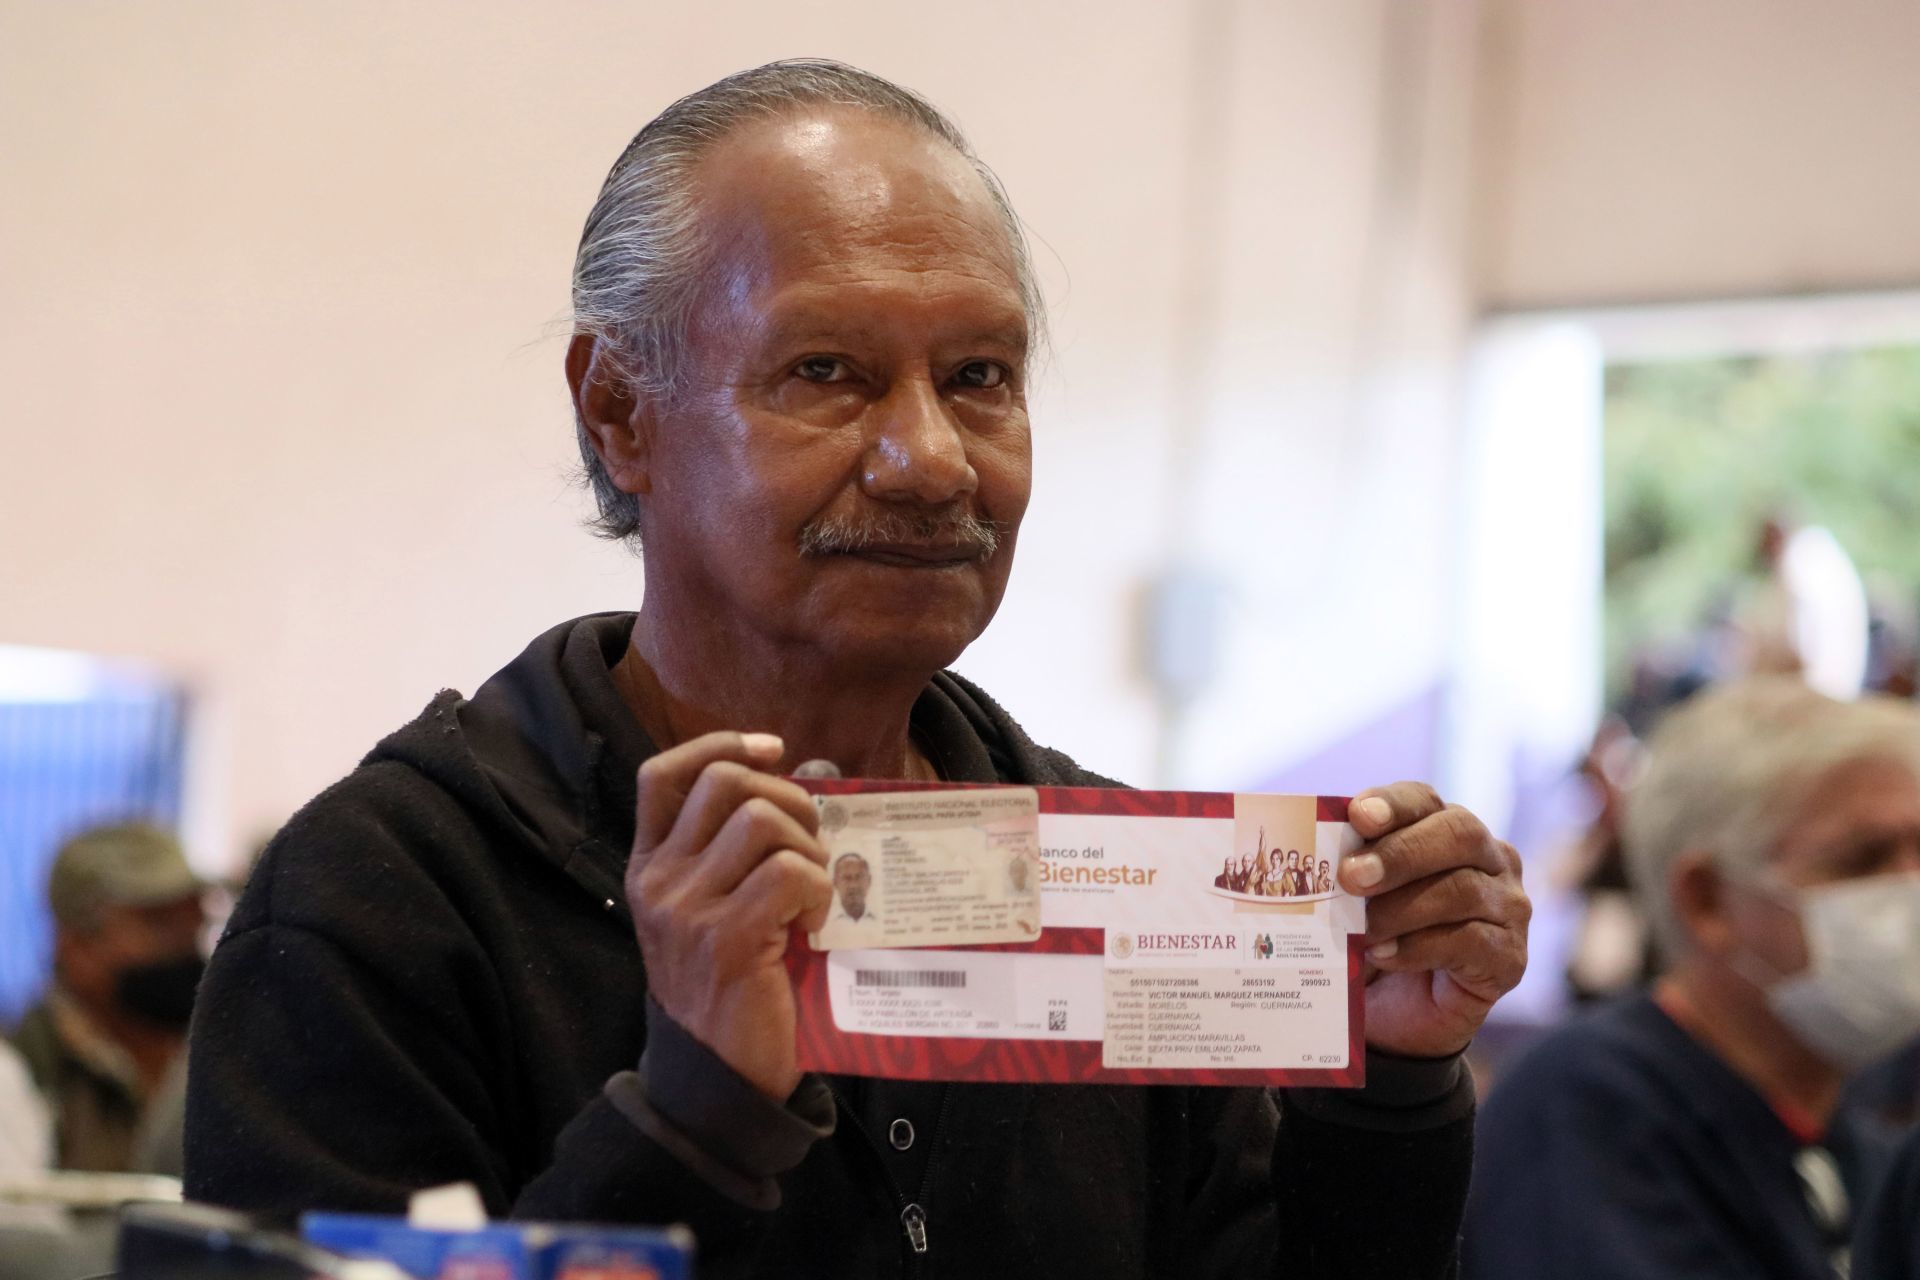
x=907, y=650
x=901, y=636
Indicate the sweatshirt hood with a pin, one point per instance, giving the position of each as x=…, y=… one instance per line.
x=549, y=747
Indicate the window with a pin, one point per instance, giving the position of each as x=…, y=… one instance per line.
x=81, y=742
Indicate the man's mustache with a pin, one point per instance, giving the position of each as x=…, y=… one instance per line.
x=948, y=528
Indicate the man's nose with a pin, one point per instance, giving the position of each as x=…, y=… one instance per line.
x=918, y=452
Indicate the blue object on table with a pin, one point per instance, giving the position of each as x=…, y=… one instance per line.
x=508, y=1250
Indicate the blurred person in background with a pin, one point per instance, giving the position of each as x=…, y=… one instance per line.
x=26, y=1130
x=1697, y=1130
x=1808, y=614
x=105, y=1043
x=1893, y=639
x=1613, y=948
x=38, y=1241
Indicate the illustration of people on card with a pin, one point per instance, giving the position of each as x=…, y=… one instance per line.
x=1299, y=881
x=1273, y=863
x=1279, y=877
x=1259, y=869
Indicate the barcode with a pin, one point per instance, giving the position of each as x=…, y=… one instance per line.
x=909, y=977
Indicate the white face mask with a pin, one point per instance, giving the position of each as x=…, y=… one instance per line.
x=1858, y=999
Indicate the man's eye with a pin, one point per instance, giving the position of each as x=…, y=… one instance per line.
x=981, y=374
x=1871, y=857
x=822, y=369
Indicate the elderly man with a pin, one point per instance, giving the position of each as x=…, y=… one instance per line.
x=536, y=939
x=1696, y=1131
x=851, y=921
x=851, y=881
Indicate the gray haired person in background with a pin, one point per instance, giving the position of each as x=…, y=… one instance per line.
x=1698, y=1129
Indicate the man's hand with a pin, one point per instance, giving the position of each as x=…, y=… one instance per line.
x=725, y=859
x=1446, y=919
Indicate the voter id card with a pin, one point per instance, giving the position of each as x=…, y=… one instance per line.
x=1182, y=937
x=947, y=867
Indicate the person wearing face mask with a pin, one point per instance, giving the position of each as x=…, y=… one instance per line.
x=104, y=1045
x=1698, y=1129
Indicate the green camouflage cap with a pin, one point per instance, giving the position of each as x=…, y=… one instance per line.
x=131, y=864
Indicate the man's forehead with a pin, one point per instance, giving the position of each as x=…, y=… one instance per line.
x=834, y=311
x=1857, y=801
x=822, y=194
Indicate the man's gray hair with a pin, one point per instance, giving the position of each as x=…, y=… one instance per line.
x=1730, y=770
x=642, y=260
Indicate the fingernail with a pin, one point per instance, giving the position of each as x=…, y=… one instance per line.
x=1376, y=811
x=817, y=769
x=1385, y=951
x=763, y=744
x=1365, y=869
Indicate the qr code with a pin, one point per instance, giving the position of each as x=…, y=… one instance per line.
x=1056, y=1019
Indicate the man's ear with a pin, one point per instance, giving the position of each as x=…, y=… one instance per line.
x=618, y=423
x=1698, y=892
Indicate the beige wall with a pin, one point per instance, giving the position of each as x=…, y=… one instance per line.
x=1651, y=150
x=280, y=404
x=1322, y=430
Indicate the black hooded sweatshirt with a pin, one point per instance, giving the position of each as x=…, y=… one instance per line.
x=432, y=977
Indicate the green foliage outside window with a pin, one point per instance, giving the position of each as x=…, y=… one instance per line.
x=1699, y=452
